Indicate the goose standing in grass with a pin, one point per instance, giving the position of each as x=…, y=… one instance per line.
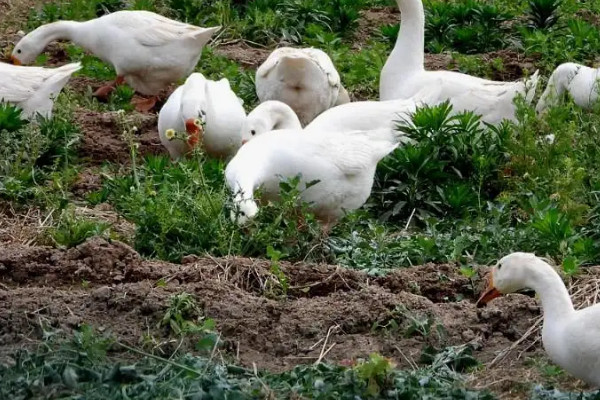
x=33, y=89
x=404, y=74
x=579, y=81
x=206, y=112
x=305, y=79
x=360, y=115
x=343, y=163
x=571, y=337
x=147, y=50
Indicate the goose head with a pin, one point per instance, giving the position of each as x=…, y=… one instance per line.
x=269, y=116
x=27, y=50
x=512, y=273
x=193, y=108
x=245, y=210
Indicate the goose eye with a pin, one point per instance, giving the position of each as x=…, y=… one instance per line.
x=243, y=214
x=499, y=266
x=253, y=132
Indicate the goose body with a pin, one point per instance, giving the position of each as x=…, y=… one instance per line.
x=570, y=337
x=343, y=163
x=360, y=115
x=147, y=50
x=404, y=74
x=208, y=111
x=305, y=79
x=579, y=81
x=33, y=89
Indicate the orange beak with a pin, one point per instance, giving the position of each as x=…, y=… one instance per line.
x=195, y=132
x=15, y=60
x=490, y=292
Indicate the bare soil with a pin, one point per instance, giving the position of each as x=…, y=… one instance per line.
x=328, y=312
x=103, y=136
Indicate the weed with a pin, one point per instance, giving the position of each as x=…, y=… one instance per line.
x=276, y=270
x=72, y=230
x=11, y=119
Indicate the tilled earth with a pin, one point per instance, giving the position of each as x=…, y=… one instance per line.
x=328, y=313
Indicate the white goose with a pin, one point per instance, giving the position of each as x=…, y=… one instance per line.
x=208, y=111
x=571, y=337
x=269, y=116
x=343, y=163
x=404, y=74
x=33, y=89
x=579, y=81
x=305, y=79
x=147, y=50
x=360, y=115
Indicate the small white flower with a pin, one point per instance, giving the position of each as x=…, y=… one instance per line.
x=170, y=134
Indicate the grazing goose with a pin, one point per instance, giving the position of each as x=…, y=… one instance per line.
x=33, y=89
x=579, y=81
x=147, y=50
x=404, y=74
x=343, y=163
x=208, y=112
x=305, y=79
x=570, y=337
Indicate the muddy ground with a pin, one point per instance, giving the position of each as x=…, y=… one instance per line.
x=329, y=313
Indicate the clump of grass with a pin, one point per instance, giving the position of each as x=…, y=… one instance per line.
x=72, y=230
x=32, y=153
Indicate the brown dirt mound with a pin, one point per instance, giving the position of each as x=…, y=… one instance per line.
x=109, y=285
x=103, y=136
x=328, y=312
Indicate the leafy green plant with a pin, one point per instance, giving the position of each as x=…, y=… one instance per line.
x=72, y=230
x=275, y=256
x=467, y=26
x=450, y=169
x=377, y=371
x=543, y=14
x=10, y=118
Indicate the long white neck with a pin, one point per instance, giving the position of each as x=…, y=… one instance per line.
x=555, y=298
x=408, y=54
x=60, y=30
x=283, y=117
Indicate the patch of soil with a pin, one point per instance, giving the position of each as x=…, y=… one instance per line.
x=370, y=23
x=515, y=65
x=244, y=54
x=328, y=312
x=103, y=136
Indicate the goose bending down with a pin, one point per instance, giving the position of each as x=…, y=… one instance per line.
x=579, y=81
x=206, y=112
x=33, y=89
x=570, y=337
x=360, y=115
x=404, y=74
x=305, y=79
x=343, y=164
x=147, y=50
